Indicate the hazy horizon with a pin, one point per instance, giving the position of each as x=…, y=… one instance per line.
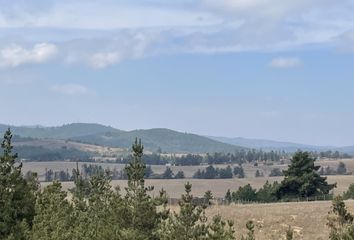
x=200, y=134
x=265, y=69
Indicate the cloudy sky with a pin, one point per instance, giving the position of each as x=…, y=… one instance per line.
x=273, y=69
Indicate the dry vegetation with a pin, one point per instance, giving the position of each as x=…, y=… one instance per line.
x=308, y=219
x=218, y=186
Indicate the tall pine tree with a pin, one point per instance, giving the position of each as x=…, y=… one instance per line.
x=17, y=195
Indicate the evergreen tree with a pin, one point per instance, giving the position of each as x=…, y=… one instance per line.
x=350, y=193
x=17, y=195
x=190, y=223
x=179, y=175
x=228, y=196
x=340, y=221
x=53, y=218
x=142, y=216
x=250, y=234
x=168, y=174
x=289, y=234
x=208, y=195
x=341, y=169
x=246, y=193
x=302, y=178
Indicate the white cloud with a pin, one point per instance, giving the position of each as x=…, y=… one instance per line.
x=71, y=89
x=102, y=60
x=130, y=29
x=285, y=62
x=16, y=55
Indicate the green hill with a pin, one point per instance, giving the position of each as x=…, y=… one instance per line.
x=63, y=132
x=153, y=139
x=167, y=140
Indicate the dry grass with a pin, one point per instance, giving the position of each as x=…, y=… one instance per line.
x=307, y=219
x=176, y=187
x=218, y=187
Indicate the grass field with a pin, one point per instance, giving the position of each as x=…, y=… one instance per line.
x=307, y=219
x=218, y=186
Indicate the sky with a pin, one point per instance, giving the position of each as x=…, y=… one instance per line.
x=270, y=69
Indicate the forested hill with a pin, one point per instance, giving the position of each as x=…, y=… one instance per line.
x=154, y=139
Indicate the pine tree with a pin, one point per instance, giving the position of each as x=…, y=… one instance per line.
x=184, y=225
x=340, y=221
x=17, y=195
x=289, y=234
x=250, y=234
x=302, y=178
x=53, y=218
x=142, y=215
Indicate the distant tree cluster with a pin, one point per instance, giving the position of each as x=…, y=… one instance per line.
x=239, y=157
x=331, y=155
x=301, y=180
x=212, y=173
x=247, y=194
x=38, y=153
x=90, y=170
x=276, y=172
x=340, y=170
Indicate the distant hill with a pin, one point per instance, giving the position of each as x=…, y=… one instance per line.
x=167, y=140
x=347, y=149
x=63, y=132
x=269, y=145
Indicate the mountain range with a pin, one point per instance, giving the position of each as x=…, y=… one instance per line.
x=159, y=139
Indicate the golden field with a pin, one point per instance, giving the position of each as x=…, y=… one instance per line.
x=307, y=219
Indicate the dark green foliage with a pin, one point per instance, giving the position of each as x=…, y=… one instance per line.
x=39, y=153
x=17, y=195
x=239, y=172
x=191, y=223
x=148, y=172
x=341, y=169
x=302, y=178
x=265, y=194
x=212, y=173
x=350, y=193
x=289, y=234
x=208, y=196
x=53, y=218
x=268, y=192
x=188, y=160
x=179, y=175
x=276, y=172
x=340, y=221
x=246, y=193
x=225, y=172
x=228, y=196
x=250, y=234
x=142, y=213
x=168, y=174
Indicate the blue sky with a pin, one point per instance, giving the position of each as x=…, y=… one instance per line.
x=271, y=69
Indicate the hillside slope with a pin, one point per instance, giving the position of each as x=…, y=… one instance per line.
x=153, y=139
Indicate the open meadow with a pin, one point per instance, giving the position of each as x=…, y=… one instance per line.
x=307, y=219
x=175, y=187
